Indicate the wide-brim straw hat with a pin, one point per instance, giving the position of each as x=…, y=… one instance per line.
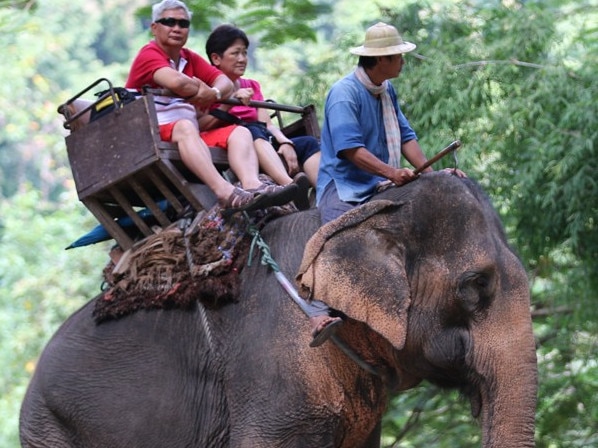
x=382, y=39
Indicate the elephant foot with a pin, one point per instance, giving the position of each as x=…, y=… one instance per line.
x=325, y=326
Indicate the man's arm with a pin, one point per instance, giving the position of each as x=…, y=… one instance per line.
x=366, y=161
x=179, y=83
x=224, y=85
x=414, y=154
x=194, y=90
x=206, y=95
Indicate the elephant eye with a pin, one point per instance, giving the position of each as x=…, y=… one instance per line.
x=475, y=291
x=481, y=281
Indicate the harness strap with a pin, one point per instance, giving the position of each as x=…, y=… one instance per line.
x=226, y=116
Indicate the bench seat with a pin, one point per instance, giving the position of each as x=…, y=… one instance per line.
x=120, y=166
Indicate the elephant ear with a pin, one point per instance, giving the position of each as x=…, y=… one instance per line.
x=356, y=265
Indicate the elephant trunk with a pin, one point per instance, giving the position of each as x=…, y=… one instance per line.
x=508, y=393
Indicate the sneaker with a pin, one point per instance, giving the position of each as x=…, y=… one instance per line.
x=278, y=194
x=302, y=199
x=244, y=201
x=282, y=195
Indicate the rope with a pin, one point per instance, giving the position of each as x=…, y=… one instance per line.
x=267, y=260
x=183, y=224
x=258, y=241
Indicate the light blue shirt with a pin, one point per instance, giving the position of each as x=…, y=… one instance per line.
x=352, y=119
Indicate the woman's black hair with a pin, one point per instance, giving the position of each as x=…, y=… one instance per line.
x=222, y=37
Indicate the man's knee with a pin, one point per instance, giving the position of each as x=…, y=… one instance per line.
x=183, y=129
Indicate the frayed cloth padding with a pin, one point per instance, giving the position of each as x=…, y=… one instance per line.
x=170, y=270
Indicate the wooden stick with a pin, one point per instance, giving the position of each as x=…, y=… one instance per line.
x=235, y=102
x=450, y=148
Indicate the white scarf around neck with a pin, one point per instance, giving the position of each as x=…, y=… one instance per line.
x=391, y=121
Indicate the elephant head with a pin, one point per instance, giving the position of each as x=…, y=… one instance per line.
x=431, y=290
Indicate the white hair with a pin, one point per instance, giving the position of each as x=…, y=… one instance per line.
x=165, y=5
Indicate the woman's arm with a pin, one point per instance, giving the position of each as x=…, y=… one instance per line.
x=286, y=147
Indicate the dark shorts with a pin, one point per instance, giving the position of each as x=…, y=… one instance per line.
x=331, y=206
x=305, y=146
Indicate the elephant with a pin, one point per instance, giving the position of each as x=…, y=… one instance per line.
x=428, y=288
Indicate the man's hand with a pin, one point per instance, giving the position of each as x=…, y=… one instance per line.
x=454, y=171
x=402, y=176
x=204, y=97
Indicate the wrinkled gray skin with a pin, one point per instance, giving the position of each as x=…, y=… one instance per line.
x=431, y=289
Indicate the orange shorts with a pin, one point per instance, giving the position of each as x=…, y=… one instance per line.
x=215, y=137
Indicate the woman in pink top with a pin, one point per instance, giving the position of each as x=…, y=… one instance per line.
x=226, y=49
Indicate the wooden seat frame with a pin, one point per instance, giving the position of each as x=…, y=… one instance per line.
x=120, y=166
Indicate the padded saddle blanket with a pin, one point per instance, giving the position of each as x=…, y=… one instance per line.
x=188, y=261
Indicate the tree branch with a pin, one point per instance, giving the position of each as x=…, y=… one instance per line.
x=498, y=62
x=544, y=312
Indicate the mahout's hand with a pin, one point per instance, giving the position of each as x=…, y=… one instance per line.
x=402, y=176
x=454, y=171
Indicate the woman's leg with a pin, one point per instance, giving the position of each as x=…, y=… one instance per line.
x=243, y=161
x=311, y=167
x=242, y=157
x=270, y=162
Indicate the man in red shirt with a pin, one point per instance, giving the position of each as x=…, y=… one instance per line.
x=164, y=63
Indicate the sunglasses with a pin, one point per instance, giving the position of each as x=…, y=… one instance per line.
x=171, y=22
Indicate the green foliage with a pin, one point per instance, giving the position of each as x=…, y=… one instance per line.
x=421, y=417
x=41, y=284
x=279, y=21
x=113, y=43
x=513, y=80
x=203, y=11
x=19, y=4
x=560, y=176
x=567, y=413
x=45, y=62
x=274, y=21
